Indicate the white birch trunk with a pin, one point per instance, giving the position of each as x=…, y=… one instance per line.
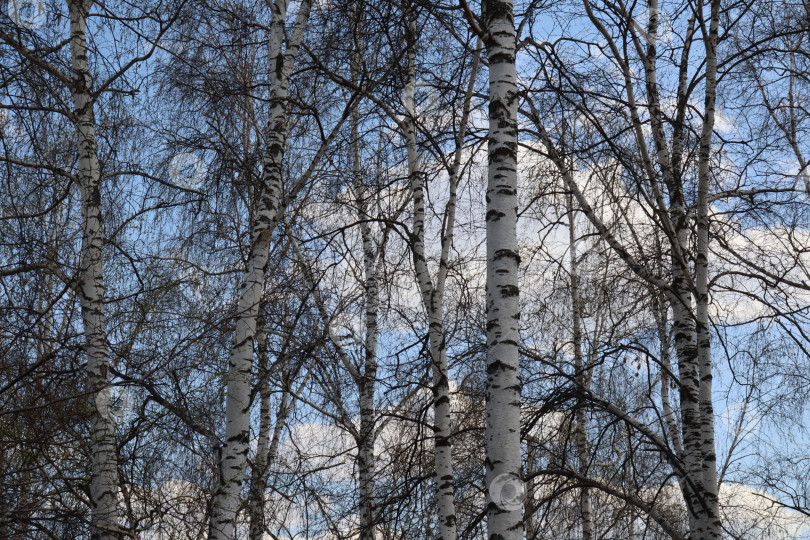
x=690, y=323
x=711, y=521
x=503, y=457
x=683, y=322
x=103, y=480
x=433, y=296
x=233, y=454
x=260, y=469
x=660, y=311
x=582, y=377
x=366, y=462
x=267, y=443
x=366, y=382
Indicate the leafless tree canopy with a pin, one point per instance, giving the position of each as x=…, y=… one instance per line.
x=405, y=270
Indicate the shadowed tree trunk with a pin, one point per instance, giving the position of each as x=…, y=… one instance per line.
x=366, y=379
x=104, y=473
x=581, y=374
x=269, y=435
x=233, y=454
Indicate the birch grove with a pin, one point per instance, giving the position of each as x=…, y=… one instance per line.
x=391, y=270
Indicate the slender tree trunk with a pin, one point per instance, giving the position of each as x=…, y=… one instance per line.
x=103, y=480
x=660, y=309
x=433, y=296
x=267, y=442
x=712, y=525
x=366, y=384
x=233, y=454
x=581, y=375
x=530, y=505
x=368, y=379
x=690, y=322
x=258, y=473
x=504, y=521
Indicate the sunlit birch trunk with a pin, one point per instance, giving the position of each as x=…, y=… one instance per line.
x=104, y=474
x=433, y=294
x=503, y=457
x=711, y=515
x=233, y=453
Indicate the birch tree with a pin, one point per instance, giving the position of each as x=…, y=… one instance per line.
x=269, y=207
x=433, y=293
x=503, y=461
x=291, y=355
x=103, y=486
x=86, y=84
x=582, y=372
x=665, y=169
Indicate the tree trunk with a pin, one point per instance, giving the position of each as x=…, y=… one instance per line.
x=366, y=384
x=266, y=444
x=433, y=296
x=581, y=375
x=103, y=480
x=660, y=309
x=712, y=525
x=233, y=454
x=503, y=461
